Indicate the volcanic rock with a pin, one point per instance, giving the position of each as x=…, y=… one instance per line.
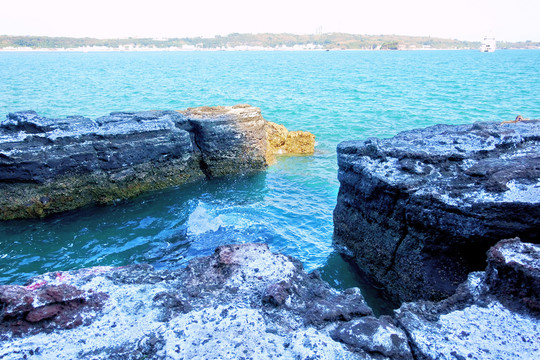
x=241, y=302
x=42, y=307
x=419, y=211
x=513, y=274
x=493, y=315
x=372, y=335
x=53, y=165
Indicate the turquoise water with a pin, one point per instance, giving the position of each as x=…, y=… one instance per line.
x=335, y=95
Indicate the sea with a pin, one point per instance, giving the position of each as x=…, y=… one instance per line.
x=336, y=95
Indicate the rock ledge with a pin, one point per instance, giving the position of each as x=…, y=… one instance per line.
x=246, y=302
x=53, y=165
x=420, y=210
x=493, y=315
x=241, y=302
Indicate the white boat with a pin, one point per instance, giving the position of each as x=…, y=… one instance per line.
x=488, y=45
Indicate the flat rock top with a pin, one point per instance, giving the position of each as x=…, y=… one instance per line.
x=459, y=165
x=18, y=126
x=523, y=254
x=217, y=111
x=21, y=125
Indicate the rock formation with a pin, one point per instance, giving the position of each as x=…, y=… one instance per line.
x=53, y=165
x=246, y=302
x=493, y=315
x=282, y=141
x=44, y=307
x=420, y=210
x=241, y=302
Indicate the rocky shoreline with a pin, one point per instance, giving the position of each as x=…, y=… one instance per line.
x=422, y=213
x=245, y=302
x=420, y=210
x=49, y=166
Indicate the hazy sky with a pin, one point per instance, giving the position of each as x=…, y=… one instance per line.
x=509, y=20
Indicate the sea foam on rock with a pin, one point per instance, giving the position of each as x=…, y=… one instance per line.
x=53, y=165
x=241, y=302
x=419, y=211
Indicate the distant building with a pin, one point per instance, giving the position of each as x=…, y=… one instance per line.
x=488, y=45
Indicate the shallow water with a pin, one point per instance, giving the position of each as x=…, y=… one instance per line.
x=336, y=95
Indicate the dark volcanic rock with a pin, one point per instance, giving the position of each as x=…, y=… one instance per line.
x=420, y=210
x=41, y=307
x=493, y=315
x=53, y=165
x=241, y=302
x=513, y=274
x=230, y=140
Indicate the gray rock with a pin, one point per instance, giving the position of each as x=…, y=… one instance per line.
x=420, y=210
x=229, y=140
x=378, y=337
x=513, y=274
x=245, y=302
x=493, y=315
x=53, y=165
x=241, y=302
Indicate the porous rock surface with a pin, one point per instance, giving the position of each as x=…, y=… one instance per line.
x=419, y=211
x=495, y=314
x=53, y=165
x=282, y=141
x=243, y=302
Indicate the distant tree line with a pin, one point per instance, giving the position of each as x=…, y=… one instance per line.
x=326, y=41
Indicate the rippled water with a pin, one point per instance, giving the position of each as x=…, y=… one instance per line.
x=335, y=95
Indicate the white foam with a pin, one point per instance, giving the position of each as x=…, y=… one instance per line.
x=201, y=221
x=207, y=218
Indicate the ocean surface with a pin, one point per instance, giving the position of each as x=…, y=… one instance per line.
x=337, y=95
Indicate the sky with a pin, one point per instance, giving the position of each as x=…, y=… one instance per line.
x=508, y=20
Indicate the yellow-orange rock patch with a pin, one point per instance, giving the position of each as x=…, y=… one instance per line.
x=282, y=141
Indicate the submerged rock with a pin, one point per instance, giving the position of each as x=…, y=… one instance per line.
x=53, y=165
x=493, y=315
x=420, y=210
x=241, y=302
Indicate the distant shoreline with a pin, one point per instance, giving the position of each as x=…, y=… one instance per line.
x=22, y=50
x=249, y=42
x=82, y=50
